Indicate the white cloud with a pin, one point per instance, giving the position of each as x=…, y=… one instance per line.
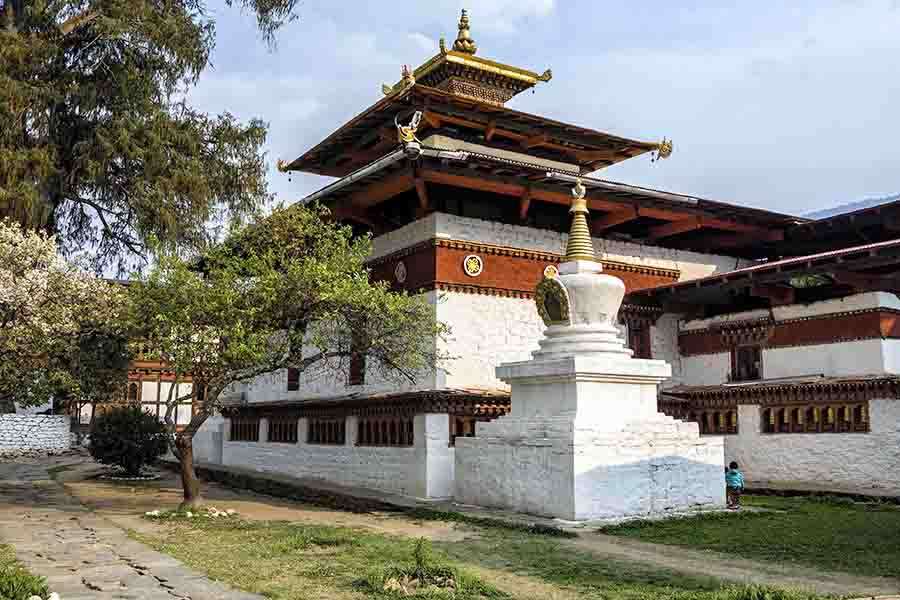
x=423, y=42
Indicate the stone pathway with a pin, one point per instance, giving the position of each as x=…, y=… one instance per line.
x=82, y=555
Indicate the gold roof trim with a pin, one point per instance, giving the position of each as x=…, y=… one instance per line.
x=463, y=53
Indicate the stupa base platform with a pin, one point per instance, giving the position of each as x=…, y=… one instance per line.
x=556, y=467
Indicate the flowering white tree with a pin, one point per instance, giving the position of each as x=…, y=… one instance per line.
x=61, y=327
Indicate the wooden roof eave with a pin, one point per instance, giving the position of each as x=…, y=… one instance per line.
x=506, y=122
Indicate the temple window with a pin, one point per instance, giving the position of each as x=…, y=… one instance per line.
x=816, y=419
x=861, y=417
x=283, y=430
x=245, y=429
x=461, y=426
x=797, y=420
x=155, y=394
x=639, y=339
x=293, y=379
x=133, y=392
x=326, y=431
x=732, y=426
x=746, y=363
x=357, y=374
x=768, y=420
x=813, y=420
x=385, y=431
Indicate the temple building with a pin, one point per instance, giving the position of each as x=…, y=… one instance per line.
x=782, y=333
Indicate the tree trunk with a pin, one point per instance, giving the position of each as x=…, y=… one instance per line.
x=189, y=482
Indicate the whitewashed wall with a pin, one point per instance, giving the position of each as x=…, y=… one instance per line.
x=424, y=470
x=34, y=432
x=838, y=461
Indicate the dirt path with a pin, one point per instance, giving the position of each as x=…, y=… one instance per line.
x=728, y=568
x=123, y=504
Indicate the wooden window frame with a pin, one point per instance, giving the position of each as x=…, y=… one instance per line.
x=244, y=429
x=293, y=379
x=283, y=430
x=736, y=375
x=387, y=432
x=817, y=418
x=326, y=431
x=639, y=339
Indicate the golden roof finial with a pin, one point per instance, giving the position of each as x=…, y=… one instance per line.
x=464, y=41
x=580, y=246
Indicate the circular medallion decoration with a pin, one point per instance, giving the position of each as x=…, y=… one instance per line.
x=552, y=302
x=473, y=265
x=551, y=271
x=400, y=272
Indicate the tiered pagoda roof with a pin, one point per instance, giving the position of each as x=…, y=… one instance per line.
x=518, y=167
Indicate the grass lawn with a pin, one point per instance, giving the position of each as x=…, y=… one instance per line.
x=285, y=560
x=828, y=533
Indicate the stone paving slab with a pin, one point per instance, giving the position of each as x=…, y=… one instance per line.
x=82, y=555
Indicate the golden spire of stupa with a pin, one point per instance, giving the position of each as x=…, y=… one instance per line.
x=464, y=41
x=580, y=246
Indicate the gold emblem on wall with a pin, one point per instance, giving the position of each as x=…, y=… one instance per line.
x=473, y=265
x=551, y=271
x=400, y=272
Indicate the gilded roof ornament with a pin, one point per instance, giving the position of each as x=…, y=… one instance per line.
x=663, y=150
x=281, y=166
x=580, y=246
x=464, y=42
x=406, y=134
x=545, y=76
x=442, y=46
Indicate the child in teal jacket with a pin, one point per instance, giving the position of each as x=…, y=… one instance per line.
x=734, y=485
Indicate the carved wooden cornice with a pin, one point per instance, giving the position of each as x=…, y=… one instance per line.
x=827, y=391
x=537, y=255
x=489, y=405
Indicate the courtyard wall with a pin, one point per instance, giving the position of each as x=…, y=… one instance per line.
x=423, y=470
x=861, y=462
x=44, y=433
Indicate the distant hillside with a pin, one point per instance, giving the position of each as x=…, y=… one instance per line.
x=853, y=206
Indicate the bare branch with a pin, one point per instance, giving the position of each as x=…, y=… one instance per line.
x=76, y=21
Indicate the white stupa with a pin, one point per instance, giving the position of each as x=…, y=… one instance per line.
x=584, y=439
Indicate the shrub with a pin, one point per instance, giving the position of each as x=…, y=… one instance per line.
x=127, y=437
x=15, y=582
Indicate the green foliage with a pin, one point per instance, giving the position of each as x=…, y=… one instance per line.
x=15, y=582
x=291, y=290
x=127, y=437
x=761, y=592
x=828, y=533
x=62, y=330
x=96, y=144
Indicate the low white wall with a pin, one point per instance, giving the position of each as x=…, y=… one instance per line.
x=841, y=461
x=35, y=432
x=424, y=470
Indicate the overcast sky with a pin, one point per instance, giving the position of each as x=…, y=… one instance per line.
x=790, y=106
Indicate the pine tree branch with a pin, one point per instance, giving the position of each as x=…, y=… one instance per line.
x=76, y=21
